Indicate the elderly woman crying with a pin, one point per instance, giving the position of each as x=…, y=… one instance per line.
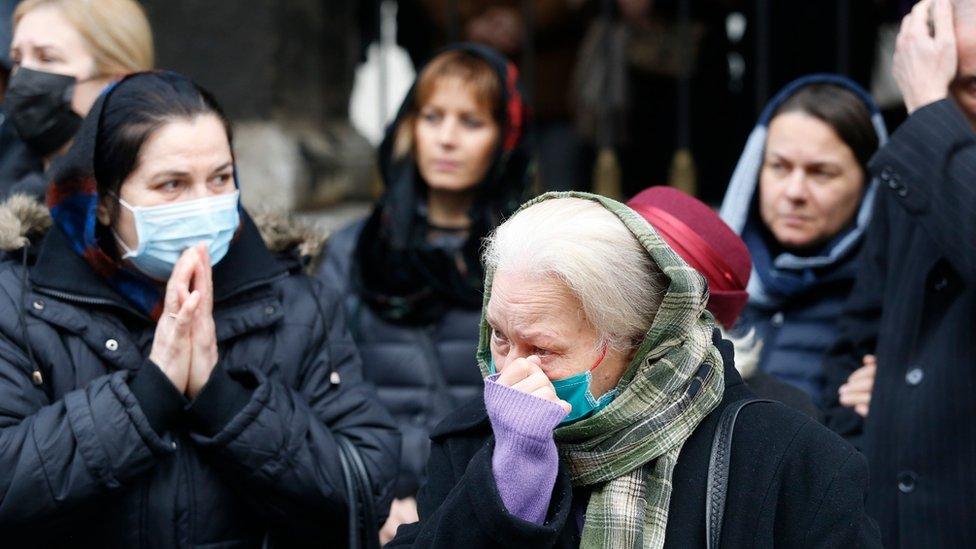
x=604, y=385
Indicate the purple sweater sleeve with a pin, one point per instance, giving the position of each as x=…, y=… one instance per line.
x=525, y=461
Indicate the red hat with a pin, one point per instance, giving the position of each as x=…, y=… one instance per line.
x=705, y=242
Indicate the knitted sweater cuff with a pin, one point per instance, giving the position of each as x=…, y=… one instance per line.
x=525, y=460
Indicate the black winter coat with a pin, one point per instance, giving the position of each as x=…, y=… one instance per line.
x=792, y=483
x=105, y=452
x=914, y=307
x=421, y=373
x=767, y=386
x=21, y=171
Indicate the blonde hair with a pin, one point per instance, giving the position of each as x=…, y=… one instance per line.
x=116, y=31
x=587, y=247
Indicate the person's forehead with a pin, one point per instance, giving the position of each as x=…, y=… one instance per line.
x=804, y=136
x=182, y=144
x=531, y=303
x=453, y=92
x=46, y=26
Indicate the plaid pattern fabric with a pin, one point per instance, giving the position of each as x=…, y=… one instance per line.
x=73, y=202
x=627, y=451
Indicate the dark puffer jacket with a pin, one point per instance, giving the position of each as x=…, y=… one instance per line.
x=421, y=373
x=103, y=452
x=797, y=333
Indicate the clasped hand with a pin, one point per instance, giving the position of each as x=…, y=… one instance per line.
x=185, y=344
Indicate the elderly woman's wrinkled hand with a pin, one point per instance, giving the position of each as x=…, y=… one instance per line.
x=526, y=375
x=171, y=350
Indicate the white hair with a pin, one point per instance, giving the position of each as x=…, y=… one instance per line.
x=584, y=245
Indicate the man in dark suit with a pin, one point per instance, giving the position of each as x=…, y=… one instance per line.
x=904, y=370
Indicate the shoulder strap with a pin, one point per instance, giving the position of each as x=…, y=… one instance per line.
x=363, y=528
x=718, y=470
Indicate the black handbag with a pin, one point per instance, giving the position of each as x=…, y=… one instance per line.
x=718, y=471
x=363, y=526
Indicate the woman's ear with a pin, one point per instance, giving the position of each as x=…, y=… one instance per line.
x=103, y=212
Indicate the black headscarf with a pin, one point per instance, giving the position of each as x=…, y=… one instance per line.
x=397, y=272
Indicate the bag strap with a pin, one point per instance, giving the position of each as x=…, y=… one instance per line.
x=363, y=528
x=718, y=470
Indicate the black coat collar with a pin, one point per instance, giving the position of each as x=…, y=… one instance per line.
x=60, y=271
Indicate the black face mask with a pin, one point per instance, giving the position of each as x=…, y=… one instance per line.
x=39, y=104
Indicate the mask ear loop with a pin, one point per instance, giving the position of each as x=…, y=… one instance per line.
x=129, y=252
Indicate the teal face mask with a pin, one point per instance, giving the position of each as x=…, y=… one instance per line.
x=576, y=391
x=164, y=232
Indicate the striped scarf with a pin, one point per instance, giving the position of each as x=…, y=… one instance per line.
x=627, y=451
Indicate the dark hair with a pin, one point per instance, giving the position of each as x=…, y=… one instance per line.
x=137, y=107
x=842, y=110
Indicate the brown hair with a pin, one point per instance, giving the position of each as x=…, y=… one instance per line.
x=478, y=76
x=843, y=111
x=116, y=32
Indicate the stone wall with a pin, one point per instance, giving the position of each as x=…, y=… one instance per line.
x=282, y=70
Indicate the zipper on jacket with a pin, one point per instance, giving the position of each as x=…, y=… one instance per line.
x=85, y=300
x=75, y=297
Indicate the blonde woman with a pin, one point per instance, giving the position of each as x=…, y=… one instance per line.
x=64, y=53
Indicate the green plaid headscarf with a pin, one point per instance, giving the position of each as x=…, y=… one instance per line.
x=628, y=450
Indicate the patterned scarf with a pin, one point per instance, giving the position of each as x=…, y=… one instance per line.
x=73, y=204
x=627, y=451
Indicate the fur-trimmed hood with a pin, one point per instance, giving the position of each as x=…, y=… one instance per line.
x=23, y=219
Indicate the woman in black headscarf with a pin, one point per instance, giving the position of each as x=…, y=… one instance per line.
x=455, y=162
x=166, y=378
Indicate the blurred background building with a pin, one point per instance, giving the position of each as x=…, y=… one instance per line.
x=625, y=93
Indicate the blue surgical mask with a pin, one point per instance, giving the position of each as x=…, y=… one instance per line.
x=164, y=232
x=576, y=391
